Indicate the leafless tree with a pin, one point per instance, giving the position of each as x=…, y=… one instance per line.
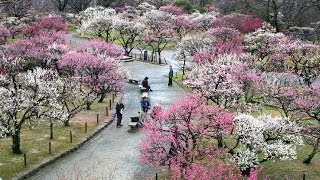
x=17, y=8
x=60, y=4
x=79, y=5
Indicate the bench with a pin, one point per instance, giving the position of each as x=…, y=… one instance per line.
x=145, y=94
x=142, y=88
x=133, y=124
x=133, y=81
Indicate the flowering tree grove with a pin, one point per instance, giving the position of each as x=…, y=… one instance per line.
x=38, y=50
x=26, y=96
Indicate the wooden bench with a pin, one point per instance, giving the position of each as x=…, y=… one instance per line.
x=133, y=81
x=145, y=94
x=133, y=124
x=142, y=88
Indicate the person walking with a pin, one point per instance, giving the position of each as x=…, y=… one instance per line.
x=170, y=76
x=119, y=112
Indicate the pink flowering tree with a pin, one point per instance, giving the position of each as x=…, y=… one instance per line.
x=4, y=34
x=174, y=136
x=159, y=30
x=100, y=49
x=241, y=22
x=174, y=10
x=215, y=168
x=26, y=97
x=225, y=40
x=183, y=24
x=43, y=50
x=46, y=23
x=101, y=75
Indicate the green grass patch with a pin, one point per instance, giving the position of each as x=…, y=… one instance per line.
x=293, y=169
x=35, y=142
x=179, y=78
x=72, y=27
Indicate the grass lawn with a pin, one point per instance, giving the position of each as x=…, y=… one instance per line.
x=35, y=142
x=293, y=169
x=178, y=78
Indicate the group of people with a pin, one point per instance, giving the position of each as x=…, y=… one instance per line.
x=144, y=103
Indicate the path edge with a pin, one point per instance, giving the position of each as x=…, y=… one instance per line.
x=36, y=168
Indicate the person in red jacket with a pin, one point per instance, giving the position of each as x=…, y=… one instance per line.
x=145, y=84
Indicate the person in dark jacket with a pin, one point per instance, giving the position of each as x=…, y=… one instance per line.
x=170, y=76
x=145, y=84
x=119, y=112
x=145, y=106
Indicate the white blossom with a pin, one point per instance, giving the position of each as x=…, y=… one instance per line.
x=274, y=137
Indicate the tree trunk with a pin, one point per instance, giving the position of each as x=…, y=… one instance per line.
x=88, y=104
x=314, y=151
x=103, y=95
x=220, y=141
x=66, y=123
x=51, y=129
x=16, y=142
x=159, y=52
x=246, y=172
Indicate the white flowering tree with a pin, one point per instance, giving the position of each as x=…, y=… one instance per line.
x=218, y=80
x=159, y=30
x=72, y=98
x=26, y=97
x=128, y=30
x=99, y=23
x=274, y=137
x=265, y=44
x=204, y=20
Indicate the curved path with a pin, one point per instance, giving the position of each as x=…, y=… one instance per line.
x=113, y=154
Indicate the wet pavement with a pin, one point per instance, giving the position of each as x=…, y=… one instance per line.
x=114, y=153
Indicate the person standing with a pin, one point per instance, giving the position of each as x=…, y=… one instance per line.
x=119, y=112
x=170, y=76
x=145, y=106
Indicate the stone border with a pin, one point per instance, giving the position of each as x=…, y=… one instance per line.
x=36, y=168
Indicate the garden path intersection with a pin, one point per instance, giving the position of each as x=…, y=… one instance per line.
x=114, y=153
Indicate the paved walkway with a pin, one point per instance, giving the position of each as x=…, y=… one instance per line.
x=113, y=154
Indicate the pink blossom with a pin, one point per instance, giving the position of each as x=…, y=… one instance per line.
x=4, y=34
x=101, y=48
